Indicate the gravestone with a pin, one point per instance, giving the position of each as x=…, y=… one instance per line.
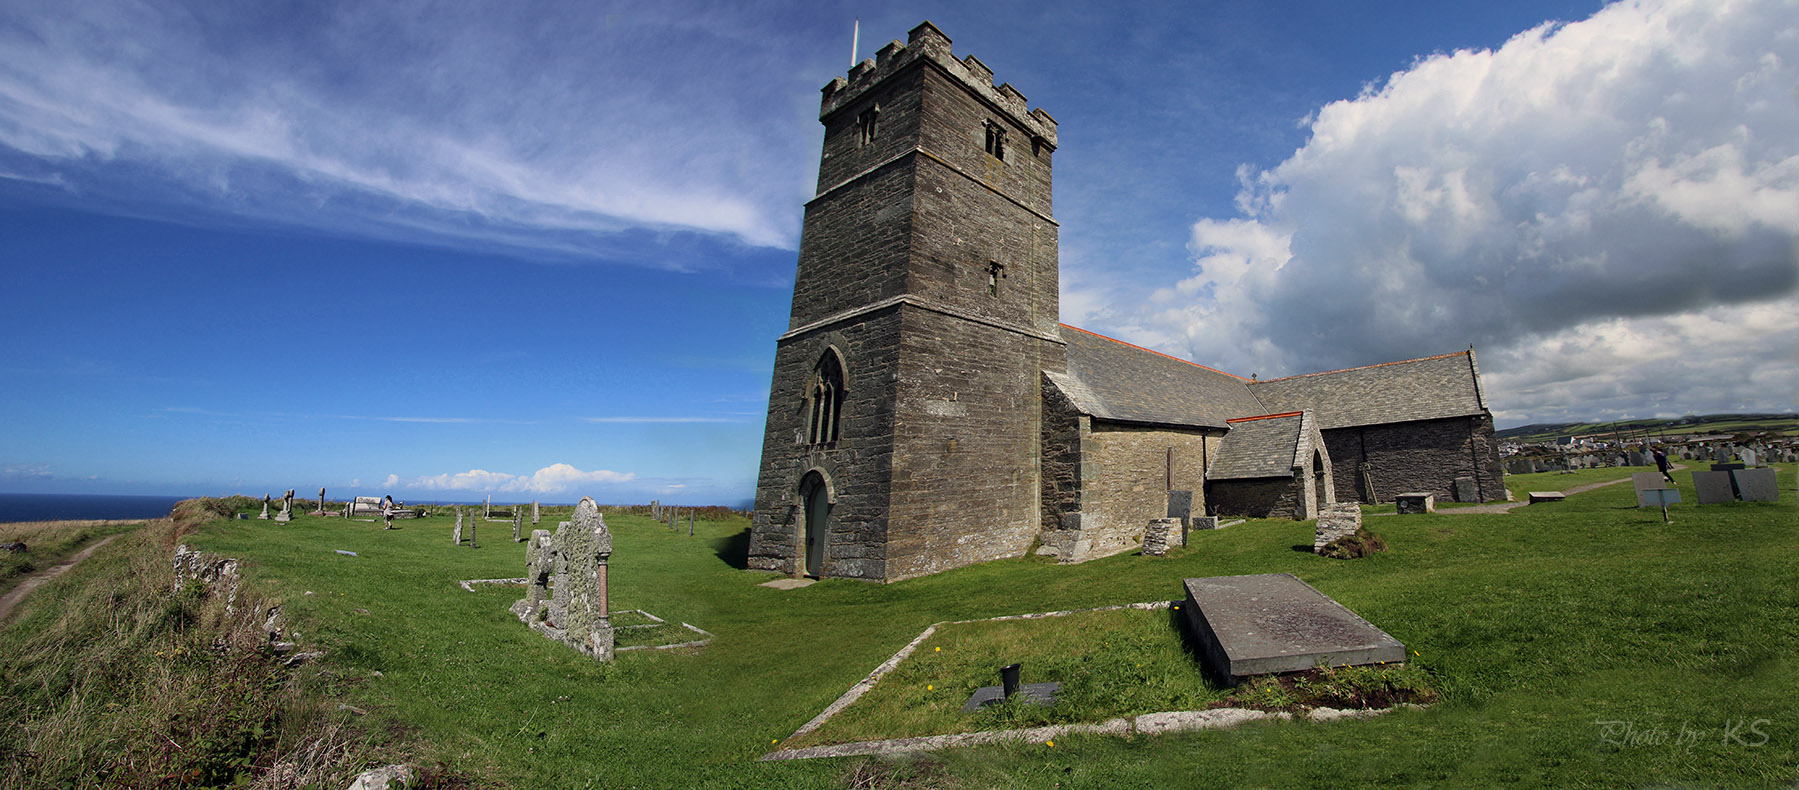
x=1713, y=487
x=1180, y=505
x=471, y=532
x=1653, y=490
x=1749, y=456
x=518, y=523
x=534, y=514
x=265, y=507
x=1205, y=522
x=321, y=510
x=1415, y=503
x=456, y=535
x=576, y=612
x=1723, y=455
x=1335, y=522
x=1731, y=467
x=1273, y=622
x=1155, y=536
x=1756, y=485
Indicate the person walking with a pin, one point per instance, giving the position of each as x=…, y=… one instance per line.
x=387, y=511
x=1661, y=462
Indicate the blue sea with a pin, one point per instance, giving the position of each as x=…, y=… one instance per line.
x=60, y=507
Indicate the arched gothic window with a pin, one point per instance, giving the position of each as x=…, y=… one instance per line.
x=824, y=400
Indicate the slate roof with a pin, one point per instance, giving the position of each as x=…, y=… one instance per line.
x=1415, y=389
x=1263, y=447
x=1114, y=380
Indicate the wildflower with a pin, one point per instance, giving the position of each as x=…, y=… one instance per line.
x=929, y=687
x=1049, y=743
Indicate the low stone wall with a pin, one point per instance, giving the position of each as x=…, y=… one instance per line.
x=1336, y=522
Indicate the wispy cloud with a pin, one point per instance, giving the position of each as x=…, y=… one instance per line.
x=1594, y=205
x=529, y=124
x=276, y=415
x=657, y=419
x=20, y=471
x=553, y=479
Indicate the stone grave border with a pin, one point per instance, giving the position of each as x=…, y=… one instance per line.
x=1141, y=724
x=469, y=584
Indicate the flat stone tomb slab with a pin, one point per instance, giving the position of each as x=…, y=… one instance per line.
x=1028, y=693
x=1757, y=485
x=1713, y=487
x=1547, y=496
x=1273, y=622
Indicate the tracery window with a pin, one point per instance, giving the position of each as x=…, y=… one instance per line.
x=824, y=400
x=996, y=140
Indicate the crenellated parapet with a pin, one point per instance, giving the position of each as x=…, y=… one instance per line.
x=927, y=43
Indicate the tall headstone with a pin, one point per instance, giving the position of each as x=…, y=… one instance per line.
x=265, y=507
x=487, y=507
x=518, y=523
x=471, y=531
x=1749, y=456
x=456, y=535
x=534, y=514
x=321, y=500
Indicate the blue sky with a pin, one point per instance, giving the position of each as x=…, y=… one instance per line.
x=542, y=250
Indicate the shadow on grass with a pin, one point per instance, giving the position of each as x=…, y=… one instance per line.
x=735, y=550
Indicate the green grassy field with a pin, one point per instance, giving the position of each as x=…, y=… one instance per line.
x=1583, y=642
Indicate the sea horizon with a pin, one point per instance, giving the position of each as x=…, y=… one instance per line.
x=83, y=507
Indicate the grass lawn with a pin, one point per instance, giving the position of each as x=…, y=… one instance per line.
x=1578, y=643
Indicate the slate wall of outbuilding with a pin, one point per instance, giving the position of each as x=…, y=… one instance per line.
x=1258, y=497
x=1420, y=456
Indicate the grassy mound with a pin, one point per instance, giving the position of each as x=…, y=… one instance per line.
x=114, y=676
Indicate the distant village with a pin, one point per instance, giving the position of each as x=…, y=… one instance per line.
x=1633, y=446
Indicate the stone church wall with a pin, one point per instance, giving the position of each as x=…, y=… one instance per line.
x=1421, y=456
x=857, y=464
x=965, y=475
x=1125, y=480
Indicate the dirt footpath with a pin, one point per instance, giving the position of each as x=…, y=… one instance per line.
x=32, y=582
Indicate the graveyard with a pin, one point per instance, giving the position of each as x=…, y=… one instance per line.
x=1581, y=641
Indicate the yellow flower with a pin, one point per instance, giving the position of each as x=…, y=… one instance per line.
x=1050, y=743
x=937, y=649
x=929, y=687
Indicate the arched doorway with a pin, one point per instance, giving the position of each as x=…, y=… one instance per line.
x=815, y=507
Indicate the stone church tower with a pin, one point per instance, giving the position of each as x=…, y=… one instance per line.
x=904, y=416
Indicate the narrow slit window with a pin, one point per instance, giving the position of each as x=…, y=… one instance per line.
x=865, y=124
x=996, y=271
x=996, y=140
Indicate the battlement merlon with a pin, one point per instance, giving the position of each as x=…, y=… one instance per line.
x=929, y=44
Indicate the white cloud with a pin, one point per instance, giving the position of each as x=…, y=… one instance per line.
x=1602, y=207
x=553, y=479
x=519, y=123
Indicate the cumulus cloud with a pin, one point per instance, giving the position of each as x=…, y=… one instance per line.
x=1605, y=208
x=553, y=479
x=528, y=123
